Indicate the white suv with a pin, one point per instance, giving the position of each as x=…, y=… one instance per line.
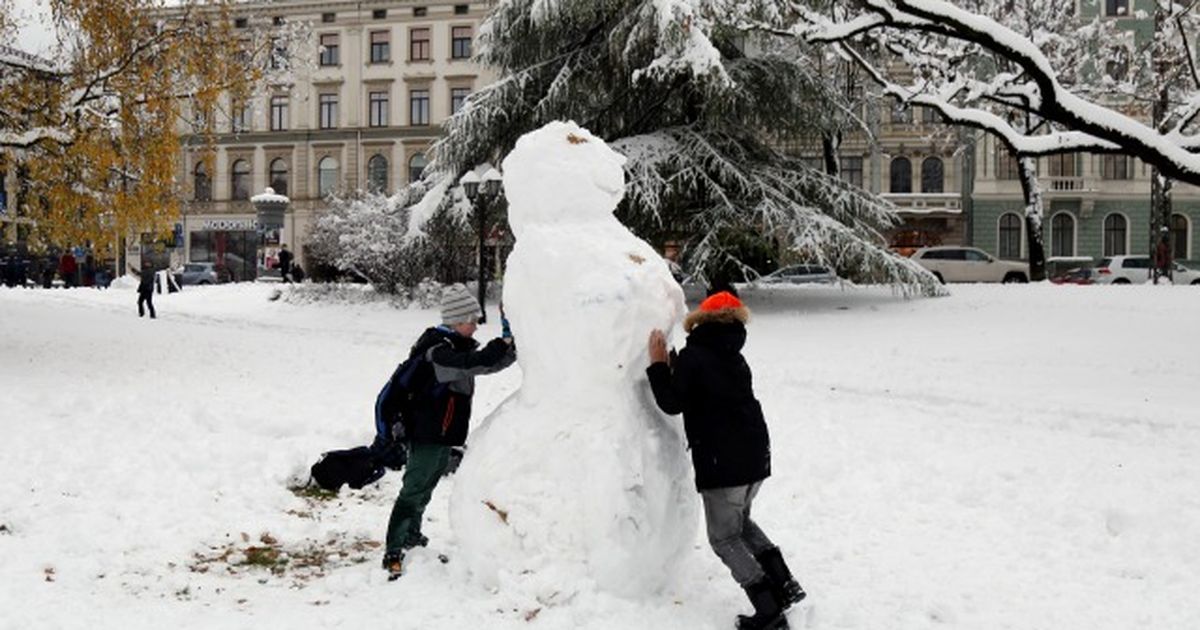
x=968, y=264
x=1138, y=270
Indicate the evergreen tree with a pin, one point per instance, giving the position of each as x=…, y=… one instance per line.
x=700, y=106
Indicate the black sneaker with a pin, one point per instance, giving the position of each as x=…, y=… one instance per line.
x=393, y=563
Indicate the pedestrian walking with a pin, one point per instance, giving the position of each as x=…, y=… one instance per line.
x=67, y=269
x=709, y=382
x=439, y=414
x=146, y=293
x=285, y=264
x=1162, y=259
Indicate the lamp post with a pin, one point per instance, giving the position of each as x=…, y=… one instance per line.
x=481, y=198
x=108, y=220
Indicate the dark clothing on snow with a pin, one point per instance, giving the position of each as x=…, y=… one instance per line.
x=710, y=383
x=443, y=416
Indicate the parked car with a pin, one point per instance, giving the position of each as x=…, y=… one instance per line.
x=1079, y=275
x=799, y=274
x=1138, y=270
x=198, y=273
x=951, y=263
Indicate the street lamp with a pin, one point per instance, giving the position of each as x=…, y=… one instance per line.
x=108, y=221
x=481, y=198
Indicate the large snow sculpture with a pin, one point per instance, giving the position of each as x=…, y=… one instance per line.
x=577, y=482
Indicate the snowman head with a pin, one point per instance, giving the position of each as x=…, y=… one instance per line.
x=560, y=174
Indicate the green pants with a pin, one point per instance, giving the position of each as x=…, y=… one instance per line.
x=426, y=463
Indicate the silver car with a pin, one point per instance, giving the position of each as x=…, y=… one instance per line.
x=198, y=273
x=800, y=274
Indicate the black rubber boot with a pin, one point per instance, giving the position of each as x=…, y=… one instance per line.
x=768, y=611
x=787, y=589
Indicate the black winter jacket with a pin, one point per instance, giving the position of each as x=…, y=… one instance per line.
x=710, y=383
x=442, y=417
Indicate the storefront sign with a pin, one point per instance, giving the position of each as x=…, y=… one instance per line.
x=229, y=225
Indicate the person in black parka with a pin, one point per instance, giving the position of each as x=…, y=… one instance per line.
x=146, y=293
x=440, y=416
x=709, y=382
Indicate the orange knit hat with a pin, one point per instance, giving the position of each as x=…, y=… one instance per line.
x=718, y=301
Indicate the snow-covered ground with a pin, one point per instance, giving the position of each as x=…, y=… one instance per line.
x=1010, y=457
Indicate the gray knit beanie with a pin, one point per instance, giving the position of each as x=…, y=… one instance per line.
x=458, y=305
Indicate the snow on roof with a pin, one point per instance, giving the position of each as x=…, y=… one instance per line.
x=269, y=196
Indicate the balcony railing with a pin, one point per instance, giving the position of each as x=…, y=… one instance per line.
x=1064, y=184
x=926, y=203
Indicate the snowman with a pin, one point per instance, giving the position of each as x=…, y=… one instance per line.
x=576, y=482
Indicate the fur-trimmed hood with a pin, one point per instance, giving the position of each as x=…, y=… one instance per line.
x=740, y=314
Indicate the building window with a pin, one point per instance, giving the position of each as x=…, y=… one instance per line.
x=327, y=111
x=327, y=176
x=279, y=113
x=933, y=175
x=239, y=180
x=416, y=166
x=239, y=117
x=277, y=20
x=1180, y=236
x=201, y=183
x=1007, y=165
x=460, y=42
x=901, y=175
x=329, y=49
x=852, y=170
x=278, y=176
x=1114, y=166
x=901, y=113
x=1062, y=235
x=377, y=174
x=461, y=9
x=328, y=18
x=418, y=44
x=381, y=48
x=1115, y=232
x=279, y=55
x=241, y=22
x=418, y=107
x=1114, y=8
x=379, y=14
x=930, y=115
x=1062, y=165
x=420, y=11
x=1010, y=236
x=377, y=109
x=458, y=98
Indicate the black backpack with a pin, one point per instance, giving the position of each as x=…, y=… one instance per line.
x=363, y=465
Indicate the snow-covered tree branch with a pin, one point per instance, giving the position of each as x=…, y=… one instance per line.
x=1050, y=72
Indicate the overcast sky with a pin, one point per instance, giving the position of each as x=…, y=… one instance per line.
x=35, y=34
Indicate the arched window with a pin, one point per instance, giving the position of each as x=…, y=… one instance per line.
x=327, y=176
x=377, y=174
x=1181, y=236
x=278, y=176
x=1116, y=232
x=201, y=183
x=901, y=175
x=239, y=180
x=416, y=165
x=1010, y=236
x=933, y=175
x=1062, y=235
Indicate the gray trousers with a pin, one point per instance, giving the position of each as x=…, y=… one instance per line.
x=733, y=535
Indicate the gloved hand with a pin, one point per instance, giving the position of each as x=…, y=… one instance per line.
x=505, y=329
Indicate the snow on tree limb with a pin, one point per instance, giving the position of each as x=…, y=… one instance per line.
x=1084, y=124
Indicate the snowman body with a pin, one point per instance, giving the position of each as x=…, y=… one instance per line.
x=577, y=481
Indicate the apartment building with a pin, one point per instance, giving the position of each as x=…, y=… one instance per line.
x=362, y=116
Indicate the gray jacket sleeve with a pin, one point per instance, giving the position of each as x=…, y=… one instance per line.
x=451, y=365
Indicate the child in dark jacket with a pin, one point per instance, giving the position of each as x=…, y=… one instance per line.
x=709, y=382
x=440, y=418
